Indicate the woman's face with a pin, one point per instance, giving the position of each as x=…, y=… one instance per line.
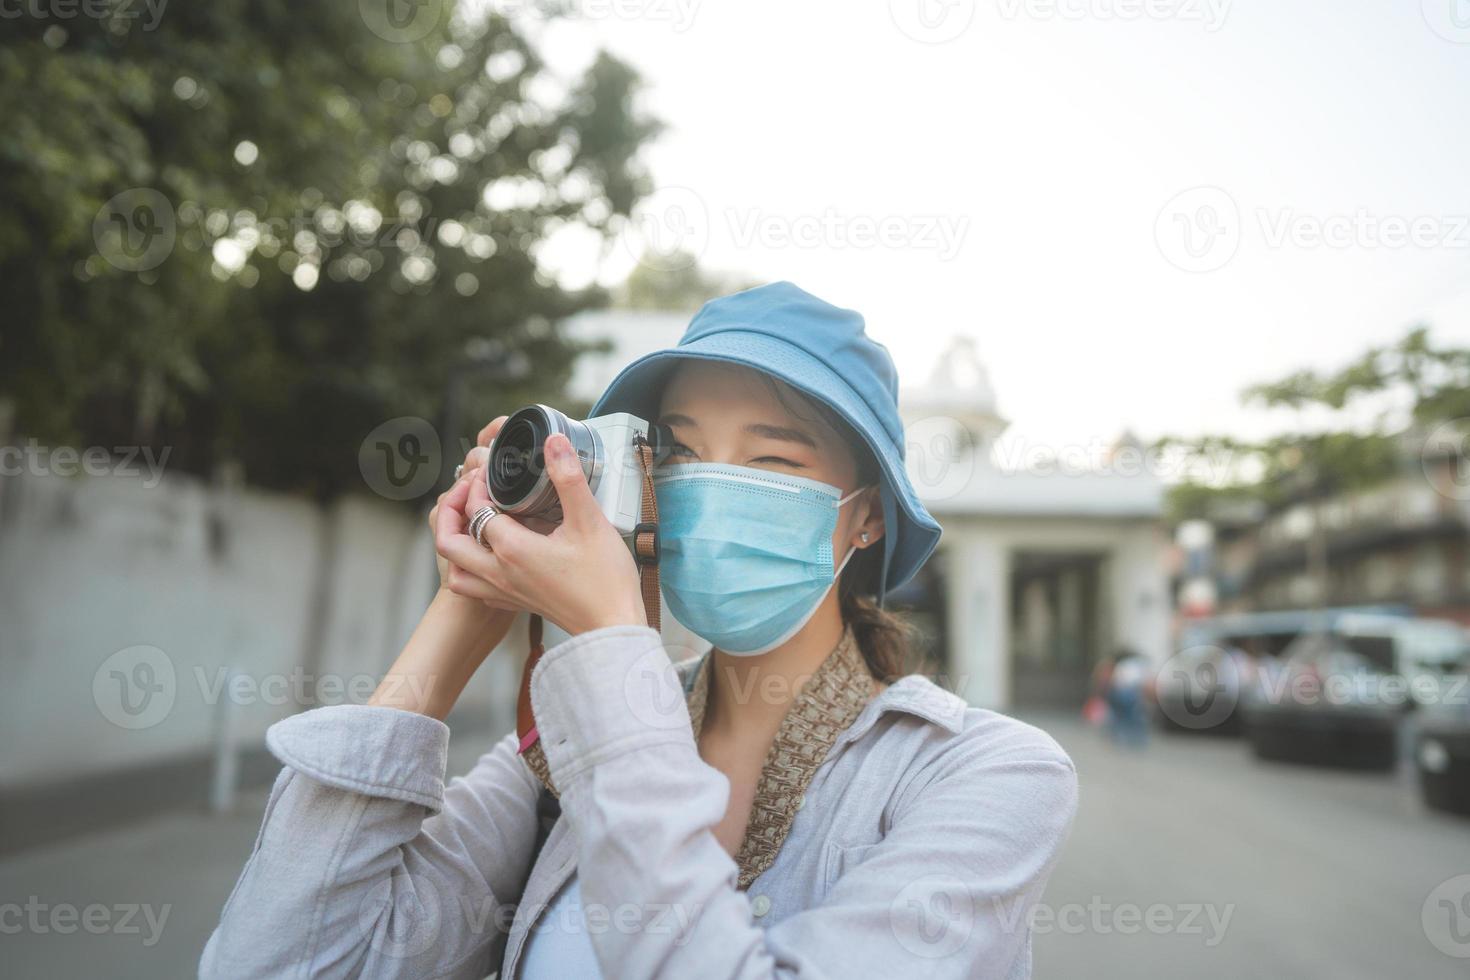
x=726, y=413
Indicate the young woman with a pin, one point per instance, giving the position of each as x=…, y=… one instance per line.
x=788, y=805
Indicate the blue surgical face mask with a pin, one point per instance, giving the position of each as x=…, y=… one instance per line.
x=747, y=553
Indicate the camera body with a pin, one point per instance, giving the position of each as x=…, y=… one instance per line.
x=606, y=446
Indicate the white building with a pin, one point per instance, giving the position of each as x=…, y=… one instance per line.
x=1041, y=572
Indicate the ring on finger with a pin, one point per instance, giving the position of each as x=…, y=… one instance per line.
x=482, y=517
x=478, y=519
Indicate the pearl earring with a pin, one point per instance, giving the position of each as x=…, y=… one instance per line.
x=864, y=537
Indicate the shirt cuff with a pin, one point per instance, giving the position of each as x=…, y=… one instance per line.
x=372, y=750
x=604, y=693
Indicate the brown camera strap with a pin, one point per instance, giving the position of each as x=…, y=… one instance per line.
x=646, y=553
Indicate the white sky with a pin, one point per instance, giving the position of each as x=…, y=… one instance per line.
x=1054, y=142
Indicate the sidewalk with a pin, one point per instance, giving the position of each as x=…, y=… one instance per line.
x=179, y=867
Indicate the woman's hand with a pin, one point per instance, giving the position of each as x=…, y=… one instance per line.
x=456, y=633
x=581, y=576
x=474, y=463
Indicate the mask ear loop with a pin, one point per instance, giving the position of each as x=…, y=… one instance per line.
x=851, y=549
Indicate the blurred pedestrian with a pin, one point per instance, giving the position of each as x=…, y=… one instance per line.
x=1124, y=680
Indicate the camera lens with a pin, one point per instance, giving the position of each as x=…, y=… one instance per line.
x=517, y=458
x=517, y=471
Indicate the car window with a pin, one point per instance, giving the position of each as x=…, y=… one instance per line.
x=1376, y=651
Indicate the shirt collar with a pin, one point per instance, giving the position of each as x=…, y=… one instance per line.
x=915, y=695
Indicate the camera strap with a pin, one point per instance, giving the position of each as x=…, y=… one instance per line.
x=646, y=553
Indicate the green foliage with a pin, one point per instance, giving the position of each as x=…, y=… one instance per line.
x=388, y=216
x=675, y=283
x=1432, y=383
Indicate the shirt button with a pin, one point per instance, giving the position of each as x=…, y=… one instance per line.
x=760, y=905
x=801, y=801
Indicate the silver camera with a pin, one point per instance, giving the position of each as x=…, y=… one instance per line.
x=606, y=446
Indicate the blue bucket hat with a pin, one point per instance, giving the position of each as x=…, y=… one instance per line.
x=823, y=352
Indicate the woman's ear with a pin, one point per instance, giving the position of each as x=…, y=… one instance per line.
x=869, y=529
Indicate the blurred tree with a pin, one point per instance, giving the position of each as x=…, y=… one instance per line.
x=1409, y=387
x=675, y=283
x=253, y=231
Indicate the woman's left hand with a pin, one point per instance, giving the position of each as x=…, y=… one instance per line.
x=581, y=576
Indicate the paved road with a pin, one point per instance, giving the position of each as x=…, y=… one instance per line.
x=1322, y=873
x=1188, y=860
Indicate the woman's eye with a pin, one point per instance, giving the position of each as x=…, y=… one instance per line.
x=779, y=461
x=679, y=449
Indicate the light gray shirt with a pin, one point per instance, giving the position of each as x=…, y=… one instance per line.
x=559, y=946
x=922, y=843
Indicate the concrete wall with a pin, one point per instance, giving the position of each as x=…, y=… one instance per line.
x=204, y=581
x=976, y=558
x=102, y=577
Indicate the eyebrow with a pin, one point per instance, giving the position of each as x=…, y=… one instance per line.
x=763, y=429
x=781, y=432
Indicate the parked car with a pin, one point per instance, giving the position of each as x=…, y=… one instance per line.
x=1343, y=692
x=1424, y=654
x=1343, y=736
x=1442, y=749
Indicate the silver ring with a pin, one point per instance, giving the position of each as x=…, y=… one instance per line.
x=482, y=517
x=458, y=470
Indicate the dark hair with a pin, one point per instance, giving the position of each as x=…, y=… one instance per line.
x=885, y=638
